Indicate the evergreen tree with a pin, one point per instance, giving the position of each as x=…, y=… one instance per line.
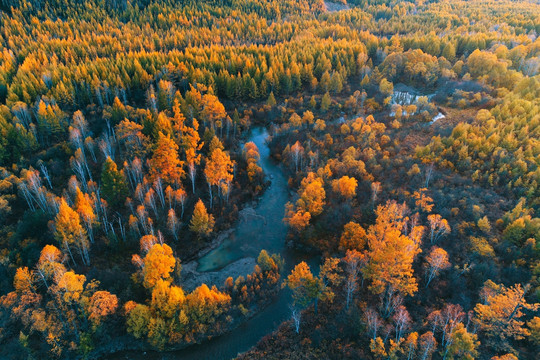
x=325, y=102
x=271, y=100
x=113, y=184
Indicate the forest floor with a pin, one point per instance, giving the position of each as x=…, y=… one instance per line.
x=333, y=7
x=191, y=278
x=420, y=134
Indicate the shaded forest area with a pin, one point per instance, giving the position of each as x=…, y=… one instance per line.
x=409, y=131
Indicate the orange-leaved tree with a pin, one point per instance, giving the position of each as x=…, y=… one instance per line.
x=500, y=315
x=312, y=194
x=219, y=172
x=159, y=262
x=353, y=237
x=252, y=156
x=345, y=186
x=391, y=253
x=165, y=162
x=436, y=261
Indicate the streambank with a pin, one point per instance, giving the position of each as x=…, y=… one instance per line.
x=260, y=227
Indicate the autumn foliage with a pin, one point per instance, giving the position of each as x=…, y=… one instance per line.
x=401, y=141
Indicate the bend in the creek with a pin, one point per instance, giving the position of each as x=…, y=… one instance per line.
x=259, y=228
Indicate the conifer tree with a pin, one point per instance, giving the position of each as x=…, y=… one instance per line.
x=201, y=223
x=113, y=183
x=325, y=102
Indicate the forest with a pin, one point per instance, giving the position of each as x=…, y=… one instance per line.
x=355, y=179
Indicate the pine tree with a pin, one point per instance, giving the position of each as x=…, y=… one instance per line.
x=271, y=100
x=201, y=223
x=113, y=184
x=325, y=102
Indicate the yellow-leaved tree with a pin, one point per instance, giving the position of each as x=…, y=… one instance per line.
x=70, y=233
x=158, y=265
x=201, y=223
x=391, y=253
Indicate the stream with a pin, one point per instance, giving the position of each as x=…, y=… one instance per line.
x=266, y=231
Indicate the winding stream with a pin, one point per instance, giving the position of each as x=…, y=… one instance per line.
x=266, y=231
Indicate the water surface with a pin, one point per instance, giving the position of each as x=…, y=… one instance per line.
x=266, y=231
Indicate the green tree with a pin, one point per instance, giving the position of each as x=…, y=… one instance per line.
x=325, y=102
x=463, y=344
x=113, y=184
x=386, y=87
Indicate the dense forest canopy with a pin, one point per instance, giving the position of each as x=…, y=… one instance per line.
x=408, y=131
